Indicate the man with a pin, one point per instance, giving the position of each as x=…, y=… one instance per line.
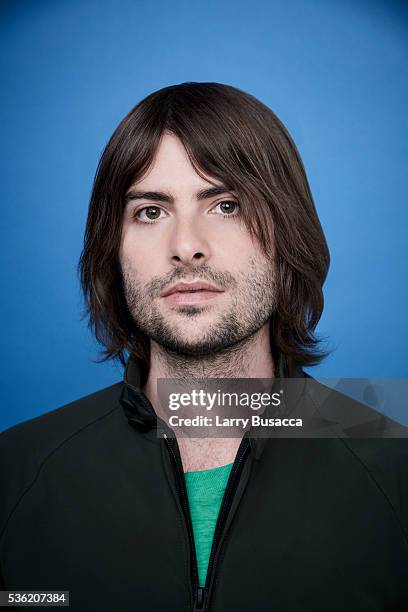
x=203, y=258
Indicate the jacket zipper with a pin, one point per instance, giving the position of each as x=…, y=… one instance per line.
x=182, y=492
x=201, y=593
x=232, y=484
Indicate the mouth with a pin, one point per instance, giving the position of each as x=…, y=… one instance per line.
x=191, y=293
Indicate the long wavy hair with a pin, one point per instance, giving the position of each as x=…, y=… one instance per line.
x=229, y=135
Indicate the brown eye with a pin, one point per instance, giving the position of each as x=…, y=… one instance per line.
x=152, y=212
x=228, y=207
x=147, y=214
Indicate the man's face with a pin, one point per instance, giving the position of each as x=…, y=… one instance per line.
x=195, y=281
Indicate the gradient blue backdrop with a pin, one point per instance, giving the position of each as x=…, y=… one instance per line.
x=334, y=72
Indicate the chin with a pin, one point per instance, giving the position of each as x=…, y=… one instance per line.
x=198, y=346
x=192, y=325
x=193, y=345
x=190, y=311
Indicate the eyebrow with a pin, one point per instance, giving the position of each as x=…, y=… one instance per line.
x=159, y=196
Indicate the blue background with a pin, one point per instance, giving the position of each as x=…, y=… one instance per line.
x=334, y=72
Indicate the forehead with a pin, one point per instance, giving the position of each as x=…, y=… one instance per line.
x=171, y=168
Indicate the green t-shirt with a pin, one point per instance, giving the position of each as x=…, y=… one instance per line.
x=205, y=492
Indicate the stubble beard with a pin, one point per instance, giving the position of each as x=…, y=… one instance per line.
x=253, y=304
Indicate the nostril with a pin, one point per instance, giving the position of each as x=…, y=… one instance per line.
x=198, y=256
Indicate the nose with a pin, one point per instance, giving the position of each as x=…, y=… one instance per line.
x=188, y=243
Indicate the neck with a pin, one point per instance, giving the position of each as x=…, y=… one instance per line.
x=250, y=358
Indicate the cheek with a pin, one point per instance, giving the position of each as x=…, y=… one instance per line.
x=137, y=259
x=237, y=248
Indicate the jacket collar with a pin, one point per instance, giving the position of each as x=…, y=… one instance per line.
x=142, y=416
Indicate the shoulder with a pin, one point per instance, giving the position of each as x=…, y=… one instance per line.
x=43, y=432
x=374, y=441
x=25, y=448
x=352, y=418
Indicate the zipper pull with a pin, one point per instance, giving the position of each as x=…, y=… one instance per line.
x=200, y=599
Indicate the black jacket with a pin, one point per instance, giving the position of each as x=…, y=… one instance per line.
x=94, y=502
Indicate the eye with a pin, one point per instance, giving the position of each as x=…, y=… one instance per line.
x=148, y=214
x=228, y=208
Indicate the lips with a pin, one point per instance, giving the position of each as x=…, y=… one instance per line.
x=195, y=287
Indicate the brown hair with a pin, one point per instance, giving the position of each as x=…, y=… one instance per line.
x=231, y=136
